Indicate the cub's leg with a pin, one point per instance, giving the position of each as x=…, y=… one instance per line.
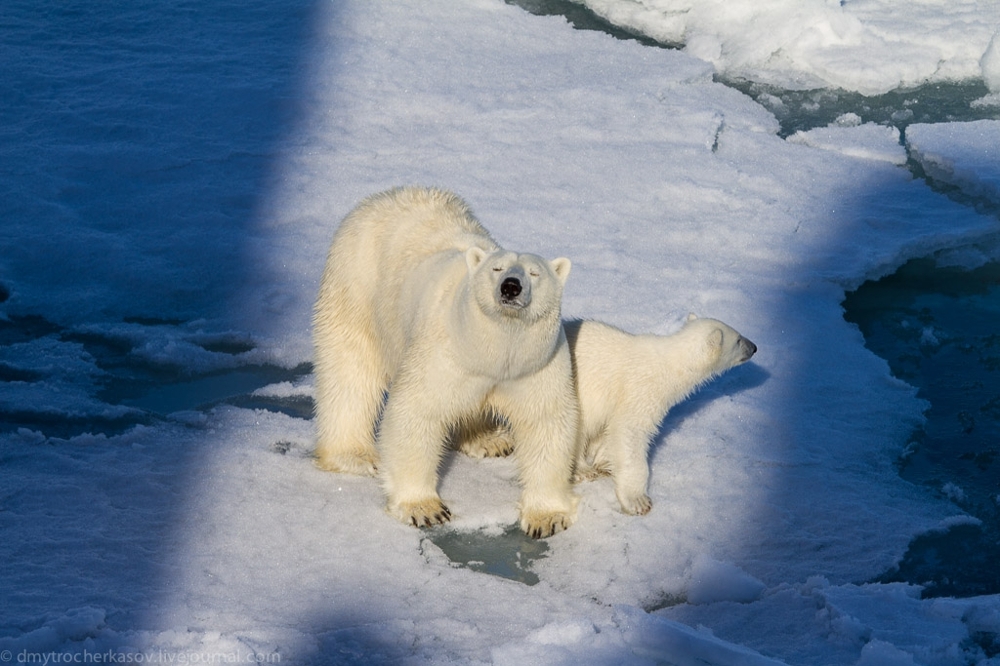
x=590, y=463
x=627, y=451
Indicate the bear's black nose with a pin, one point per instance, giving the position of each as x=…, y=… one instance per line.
x=510, y=288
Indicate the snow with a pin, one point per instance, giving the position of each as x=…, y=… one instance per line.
x=866, y=46
x=172, y=176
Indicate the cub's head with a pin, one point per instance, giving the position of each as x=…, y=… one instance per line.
x=523, y=286
x=721, y=346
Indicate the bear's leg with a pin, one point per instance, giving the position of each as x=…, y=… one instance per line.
x=542, y=413
x=412, y=440
x=627, y=447
x=350, y=384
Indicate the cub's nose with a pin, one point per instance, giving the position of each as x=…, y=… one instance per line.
x=510, y=288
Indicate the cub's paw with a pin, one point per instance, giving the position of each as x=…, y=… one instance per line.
x=361, y=464
x=587, y=472
x=492, y=445
x=543, y=524
x=636, y=505
x=425, y=513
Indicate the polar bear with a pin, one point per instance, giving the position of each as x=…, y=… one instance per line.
x=627, y=383
x=422, y=315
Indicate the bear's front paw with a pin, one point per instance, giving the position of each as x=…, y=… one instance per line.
x=543, y=524
x=360, y=464
x=425, y=513
x=636, y=505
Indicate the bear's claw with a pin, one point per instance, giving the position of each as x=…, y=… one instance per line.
x=544, y=525
x=439, y=518
x=426, y=513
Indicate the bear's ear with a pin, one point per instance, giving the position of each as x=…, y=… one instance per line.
x=474, y=256
x=691, y=316
x=561, y=268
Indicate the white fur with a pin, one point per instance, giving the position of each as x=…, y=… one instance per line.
x=411, y=304
x=627, y=383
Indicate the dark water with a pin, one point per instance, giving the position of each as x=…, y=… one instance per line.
x=153, y=390
x=939, y=329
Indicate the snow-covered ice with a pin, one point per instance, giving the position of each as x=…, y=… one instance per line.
x=172, y=177
x=964, y=155
x=868, y=46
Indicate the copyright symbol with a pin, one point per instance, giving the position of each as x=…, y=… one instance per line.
x=6, y=655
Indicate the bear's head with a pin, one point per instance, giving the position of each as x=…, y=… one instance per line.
x=521, y=286
x=722, y=346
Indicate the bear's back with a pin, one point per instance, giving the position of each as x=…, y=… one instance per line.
x=402, y=226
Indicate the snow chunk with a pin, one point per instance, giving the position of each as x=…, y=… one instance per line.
x=953, y=492
x=713, y=581
x=960, y=154
x=990, y=64
x=868, y=141
x=880, y=653
x=870, y=47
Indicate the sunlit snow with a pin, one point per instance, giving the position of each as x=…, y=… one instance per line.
x=172, y=177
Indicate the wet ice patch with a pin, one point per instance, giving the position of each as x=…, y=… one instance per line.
x=508, y=553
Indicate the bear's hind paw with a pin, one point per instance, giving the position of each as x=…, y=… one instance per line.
x=425, y=513
x=360, y=464
x=492, y=446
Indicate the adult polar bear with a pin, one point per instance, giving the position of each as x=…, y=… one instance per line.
x=417, y=300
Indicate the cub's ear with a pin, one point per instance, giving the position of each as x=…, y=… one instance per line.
x=714, y=341
x=474, y=256
x=691, y=316
x=561, y=268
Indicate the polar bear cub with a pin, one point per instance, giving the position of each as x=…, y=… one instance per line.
x=627, y=383
x=424, y=323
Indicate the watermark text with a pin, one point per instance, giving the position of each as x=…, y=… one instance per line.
x=144, y=657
